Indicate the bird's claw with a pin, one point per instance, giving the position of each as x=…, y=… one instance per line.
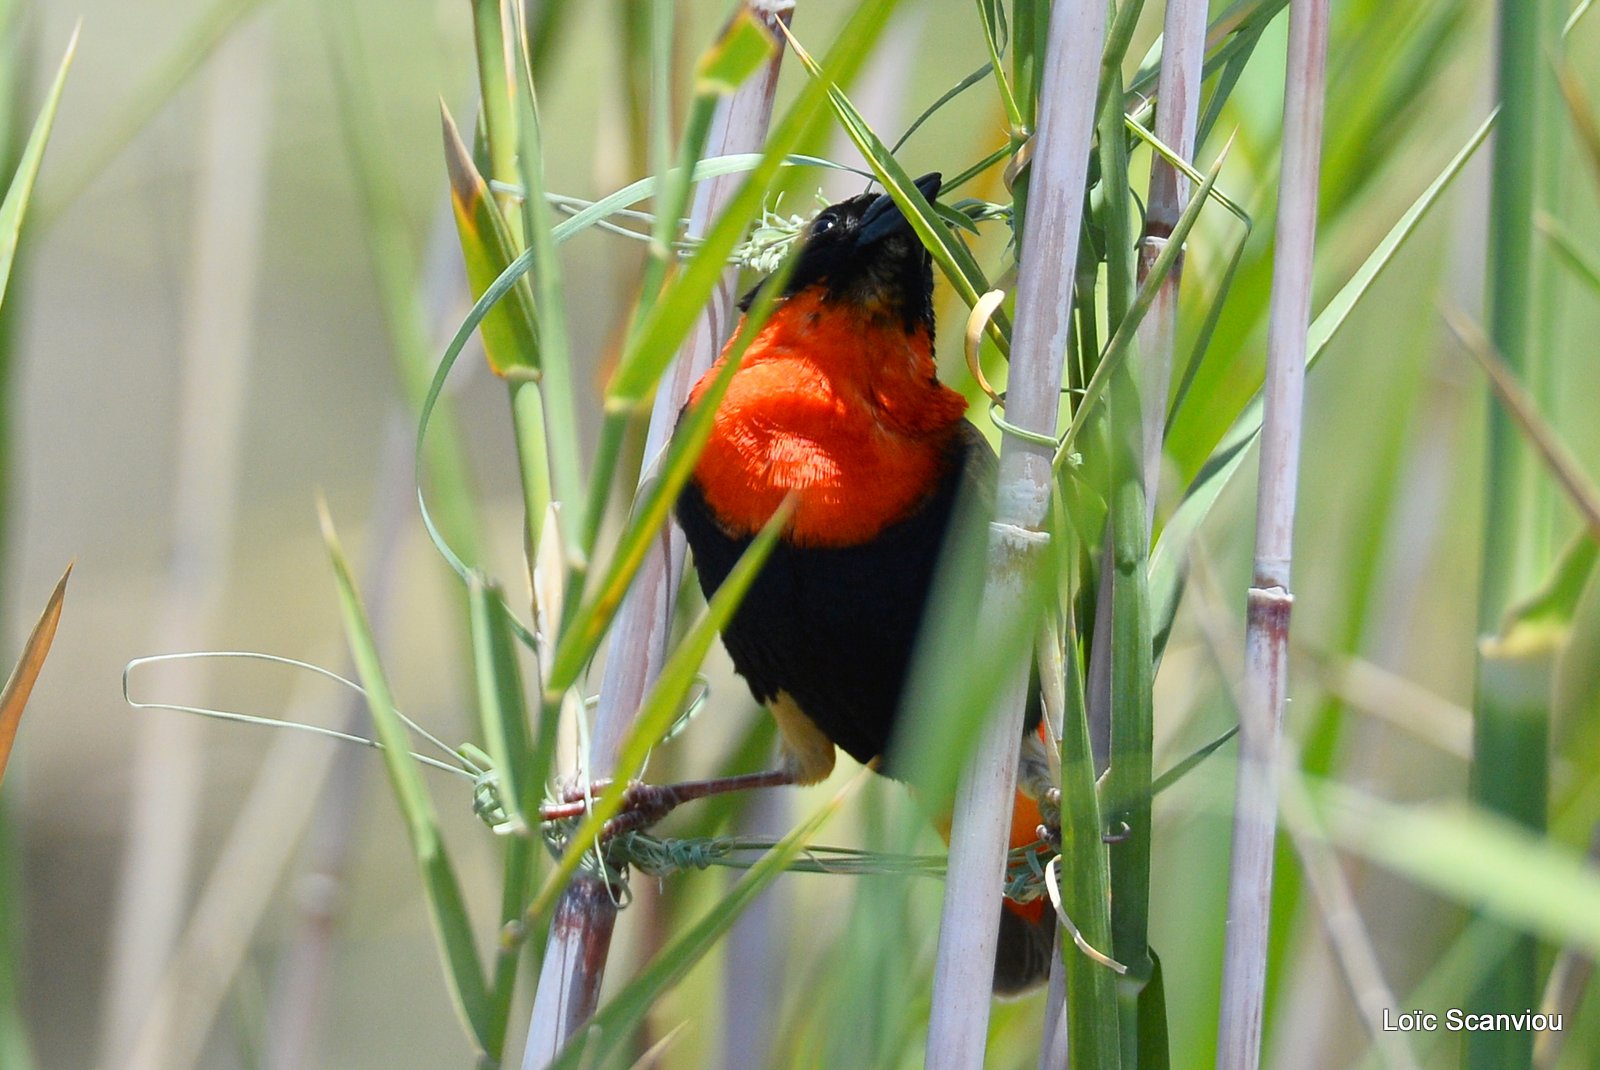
x=642, y=805
x=1050, y=809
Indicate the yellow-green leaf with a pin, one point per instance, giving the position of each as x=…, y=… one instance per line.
x=510, y=338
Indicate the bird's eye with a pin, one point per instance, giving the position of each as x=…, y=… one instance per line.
x=822, y=225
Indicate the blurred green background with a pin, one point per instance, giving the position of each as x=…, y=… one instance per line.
x=248, y=159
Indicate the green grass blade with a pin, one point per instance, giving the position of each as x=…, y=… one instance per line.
x=1085, y=887
x=502, y=714
x=1118, y=36
x=15, y=206
x=519, y=865
x=1233, y=63
x=1511, y=706
x=1337, y=311
x=496, y=90
x=1030, y=21
x=944, y=98
x=546, y=432
x=1154, y=1046
x=446, y=907
x=991, y=16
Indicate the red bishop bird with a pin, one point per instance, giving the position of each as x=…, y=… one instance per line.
x=838, y=402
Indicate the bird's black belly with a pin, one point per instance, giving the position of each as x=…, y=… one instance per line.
x=835, y=627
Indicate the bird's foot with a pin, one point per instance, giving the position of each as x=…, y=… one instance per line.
x=645, y=804
x=1050, y=810
x=642, y=805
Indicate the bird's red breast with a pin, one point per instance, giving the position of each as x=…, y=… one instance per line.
x=835, y=402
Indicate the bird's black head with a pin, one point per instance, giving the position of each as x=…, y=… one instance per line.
x=865, y=254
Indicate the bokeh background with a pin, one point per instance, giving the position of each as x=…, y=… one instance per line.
x=200, y=344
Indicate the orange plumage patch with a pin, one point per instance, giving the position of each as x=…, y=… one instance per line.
x=1025, y=822
x=839, y=405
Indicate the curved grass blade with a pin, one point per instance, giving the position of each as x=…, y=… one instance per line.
x=19, y=685
x=713, y=167
x=446, y=906
x=946, y=97
x=1189, y=761
x=1092, y=1027
x=463, y=765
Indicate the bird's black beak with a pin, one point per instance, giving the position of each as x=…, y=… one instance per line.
x=883, y=217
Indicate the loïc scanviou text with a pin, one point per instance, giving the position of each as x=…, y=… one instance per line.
x=1456, y=1020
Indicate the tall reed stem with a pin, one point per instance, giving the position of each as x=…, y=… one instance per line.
x=1512, y=701
x=1183, y=53
x=1054, y=218
x=1267, y=627
x=580, y=934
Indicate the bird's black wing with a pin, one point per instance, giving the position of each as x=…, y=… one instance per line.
x=836, y=627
